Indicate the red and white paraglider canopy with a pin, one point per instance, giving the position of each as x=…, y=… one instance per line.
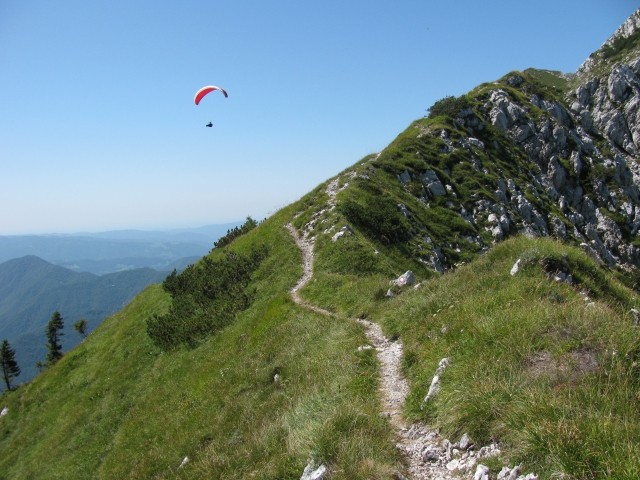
x=200, y=94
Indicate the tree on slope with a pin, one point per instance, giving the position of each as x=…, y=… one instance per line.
x=54, y=332
x=81, y=327
x=10, y=368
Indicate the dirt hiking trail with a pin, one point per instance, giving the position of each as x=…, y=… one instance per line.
x=420, y=446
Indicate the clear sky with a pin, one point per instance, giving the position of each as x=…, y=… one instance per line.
x=98, y=129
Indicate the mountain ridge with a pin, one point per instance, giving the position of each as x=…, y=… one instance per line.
x=31, y=289
x=628, y=30
x=539, y=333
x=107, y=252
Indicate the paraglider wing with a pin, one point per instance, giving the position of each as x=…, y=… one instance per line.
x=200, y=94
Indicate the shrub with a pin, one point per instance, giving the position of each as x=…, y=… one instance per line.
x=379, y=216
x=449, y=106
x=621, y=44
x=235, y=232
x=205, y=298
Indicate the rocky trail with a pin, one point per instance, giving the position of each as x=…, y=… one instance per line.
x=426, y=454
x=423, y=449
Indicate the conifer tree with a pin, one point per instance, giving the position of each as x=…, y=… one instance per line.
x=8, y=362
x=54, y=332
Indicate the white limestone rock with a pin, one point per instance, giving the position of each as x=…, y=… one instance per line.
x=406, y=279
x=482, y=473
x=311, y=472
x=516, y=268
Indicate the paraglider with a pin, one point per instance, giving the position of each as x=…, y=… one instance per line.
x=200, y=94
x=204, y=91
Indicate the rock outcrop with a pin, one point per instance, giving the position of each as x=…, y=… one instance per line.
x=559, y=160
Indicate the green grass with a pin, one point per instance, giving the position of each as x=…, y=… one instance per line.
x=533, y=366
x=553, y=80
x=118, y=407
x=554, y=380
x=622, y=50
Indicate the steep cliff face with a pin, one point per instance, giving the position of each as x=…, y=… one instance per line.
x=537, y=152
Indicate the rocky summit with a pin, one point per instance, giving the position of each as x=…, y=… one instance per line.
x=537, y=152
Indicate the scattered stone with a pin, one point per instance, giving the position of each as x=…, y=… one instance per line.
x=465, y=442
x=516, y=268
x=515, y=80
x=185, y=460
x=4, y=411
x=407, y=278
x=509, y=473
x=276, y=379
x=311, y=472
x=490, y=450
x=404, y=210
x=468, y=463
x=476, y=143
x=404, y=177
x=497, y=233
x=430, y=180
x=362, y=348
x=634, y=313
x=436, y=189
x=482, y=473
x=434, y=388
x=453, y=465
x=431, y=454
x=346, y=230
x=560, y=277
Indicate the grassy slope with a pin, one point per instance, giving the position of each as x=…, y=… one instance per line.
x=115, y=407
x=533, y=366
x=555, y=381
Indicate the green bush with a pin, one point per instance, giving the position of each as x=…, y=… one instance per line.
x=205, y=298
x=621, y=44
x=379, y=216
x=449, y=106
x=235, y=232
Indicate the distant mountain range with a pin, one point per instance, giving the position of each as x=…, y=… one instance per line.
x=31, y=289
x=84, y=276
x=114, y=251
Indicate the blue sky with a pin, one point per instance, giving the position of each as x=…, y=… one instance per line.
x=98, y=129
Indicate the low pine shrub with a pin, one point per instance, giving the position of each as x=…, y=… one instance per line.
x=205, y=298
